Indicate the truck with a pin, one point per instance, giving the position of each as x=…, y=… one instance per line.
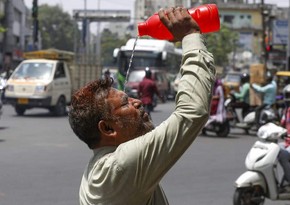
x=47, y=79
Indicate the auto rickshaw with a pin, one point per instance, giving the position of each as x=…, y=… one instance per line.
x=231, y=81
x=282, y=79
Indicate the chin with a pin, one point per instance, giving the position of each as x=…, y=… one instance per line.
x=147, y=127
x=144, y=128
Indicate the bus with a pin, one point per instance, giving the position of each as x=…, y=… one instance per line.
x=152, y=53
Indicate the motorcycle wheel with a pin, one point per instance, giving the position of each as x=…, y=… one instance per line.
x=248, y=196
x=224, y=129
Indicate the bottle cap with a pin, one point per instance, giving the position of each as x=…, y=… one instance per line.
x=142, y=29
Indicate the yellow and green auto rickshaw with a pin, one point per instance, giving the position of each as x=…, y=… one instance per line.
x=282, y=79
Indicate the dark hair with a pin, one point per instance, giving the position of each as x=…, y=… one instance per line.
x=148, y=73
x=88, y=107
x=245, y=78
x=269, y=77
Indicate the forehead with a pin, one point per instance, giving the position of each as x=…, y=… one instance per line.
x=116, y=96
x=113, y=93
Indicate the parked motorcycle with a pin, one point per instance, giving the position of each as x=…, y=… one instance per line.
x=261, y=180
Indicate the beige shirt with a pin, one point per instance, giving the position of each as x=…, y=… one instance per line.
x=130, y=174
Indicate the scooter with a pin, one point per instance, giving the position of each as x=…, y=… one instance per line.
x=217, y=121
x=222, y=129
x=232, y=111
x=261, y=180
x=248, y=122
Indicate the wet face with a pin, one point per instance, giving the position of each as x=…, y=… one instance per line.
x=130, y=120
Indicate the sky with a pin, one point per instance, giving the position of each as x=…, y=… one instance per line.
x=70, y=5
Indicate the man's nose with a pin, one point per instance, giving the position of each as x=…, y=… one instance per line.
x=136, y=102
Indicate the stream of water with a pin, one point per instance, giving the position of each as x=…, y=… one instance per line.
x=130, y=63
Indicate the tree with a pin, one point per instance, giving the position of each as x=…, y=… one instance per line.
x=56, y=28
x=221, y=44
x=2, y=18
x=110, y=41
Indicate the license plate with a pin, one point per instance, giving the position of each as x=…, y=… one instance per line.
x=22, y=101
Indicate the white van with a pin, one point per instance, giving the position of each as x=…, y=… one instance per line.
x=40, y=83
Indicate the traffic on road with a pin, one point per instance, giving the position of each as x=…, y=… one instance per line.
x=42, y=162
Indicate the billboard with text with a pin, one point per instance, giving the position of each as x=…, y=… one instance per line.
x=280, y=32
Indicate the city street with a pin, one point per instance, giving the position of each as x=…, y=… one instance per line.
x=42, y=162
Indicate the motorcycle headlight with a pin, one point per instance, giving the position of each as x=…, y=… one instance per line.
x=40, y=88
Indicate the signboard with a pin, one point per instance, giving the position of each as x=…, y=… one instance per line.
x=280, y=32
x=277, y=57
x=245, y=40
x=103, y=15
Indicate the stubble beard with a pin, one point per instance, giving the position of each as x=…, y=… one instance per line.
x=140, y=127
x=146, y=127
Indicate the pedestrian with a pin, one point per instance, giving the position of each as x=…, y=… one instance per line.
x=108, y=74
x=284, y=160
x=121, y=81
x=130, y=156
x=217, y=102
x=147, y=90
x=284, y=153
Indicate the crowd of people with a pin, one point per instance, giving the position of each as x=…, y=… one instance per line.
x=268, y=92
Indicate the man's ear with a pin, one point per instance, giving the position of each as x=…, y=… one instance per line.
x=106, y=129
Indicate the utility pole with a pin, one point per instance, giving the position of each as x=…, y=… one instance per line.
x=264, y=50
x=98, y=43
x=35, y=23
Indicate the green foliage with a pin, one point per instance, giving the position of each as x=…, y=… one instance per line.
x=56, y=27
x=110, y=41
x=221, y=43
x=2, y=28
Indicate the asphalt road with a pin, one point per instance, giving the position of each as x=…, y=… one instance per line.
x=42, y=163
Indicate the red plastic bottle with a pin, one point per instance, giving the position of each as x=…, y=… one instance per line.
x=206, y=16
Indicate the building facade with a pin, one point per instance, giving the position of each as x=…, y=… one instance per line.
x=17, y=33
x=254, y=24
